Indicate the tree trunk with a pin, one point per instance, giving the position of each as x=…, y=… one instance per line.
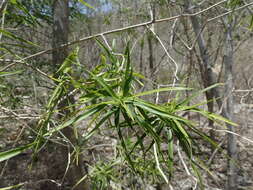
x=228, y=109
x=205, y=67
x=60, y=36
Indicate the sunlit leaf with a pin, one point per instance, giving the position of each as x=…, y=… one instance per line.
x=86, y=4
x=14, y=152
x=12, y=187
x=161, y=90
x=4, y=74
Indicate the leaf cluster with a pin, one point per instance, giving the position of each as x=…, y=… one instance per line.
x=109, y=100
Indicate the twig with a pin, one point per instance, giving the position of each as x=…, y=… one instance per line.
x=67, y=167
x=228, y=12
x=185, y=166
x=106, y=42
x=169, y=56
x=215, y=152
x=22, y=62
x=158, y=164
x=182, y=160
x=173, y=32
x=247, y=90
x=236, y=134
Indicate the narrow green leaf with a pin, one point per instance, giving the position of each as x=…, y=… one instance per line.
x=122, y=141
x=187, y=100
x=86, y=4
x=161, y=90
x=12, y=187
x=198, y=174
x=101, y=81
x=14, y=152
x=128, y=110
x=214, y=116
x=101, y=122
x=77, y=119
x=203, y=135
x=251, y=23
x=170, y=151
x=109, y=53
x=184, y=139
x=69, y=61
x=55, y=96
x=128, y=73
x=157, y=110
x=182, y=130
x=3, y=74
x=13, y=2
x=148, y=128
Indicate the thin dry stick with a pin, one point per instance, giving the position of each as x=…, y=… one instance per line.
x=246, y=90
x=231, y=11
x=168, y=54
x=215, y=152
x=67, y=167
x=13, y=62
x=173, y=31
x=226, y=131
x=185, y=166
x=182, y=160
x=106, y=42
x=22, y=62
x=158, y=164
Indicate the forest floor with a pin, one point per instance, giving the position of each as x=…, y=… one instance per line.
x=22, y=169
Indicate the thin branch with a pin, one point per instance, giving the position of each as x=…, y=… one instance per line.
x=231, y=11
x=247, y=90
x=168, y=54
x=158, y=164
x=13, y=62
x=185, y=166
x=236, y=134
x=215, y=152
x=182, y=160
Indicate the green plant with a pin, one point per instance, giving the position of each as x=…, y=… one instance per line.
x=109, y=100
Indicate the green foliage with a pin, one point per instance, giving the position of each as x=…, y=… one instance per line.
x=109, y=101
x=111, y=86
x=102, y=173
x=234, y=3
x=86, y=4
x=12, y=187
x=13, y=152
x=251, y=23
